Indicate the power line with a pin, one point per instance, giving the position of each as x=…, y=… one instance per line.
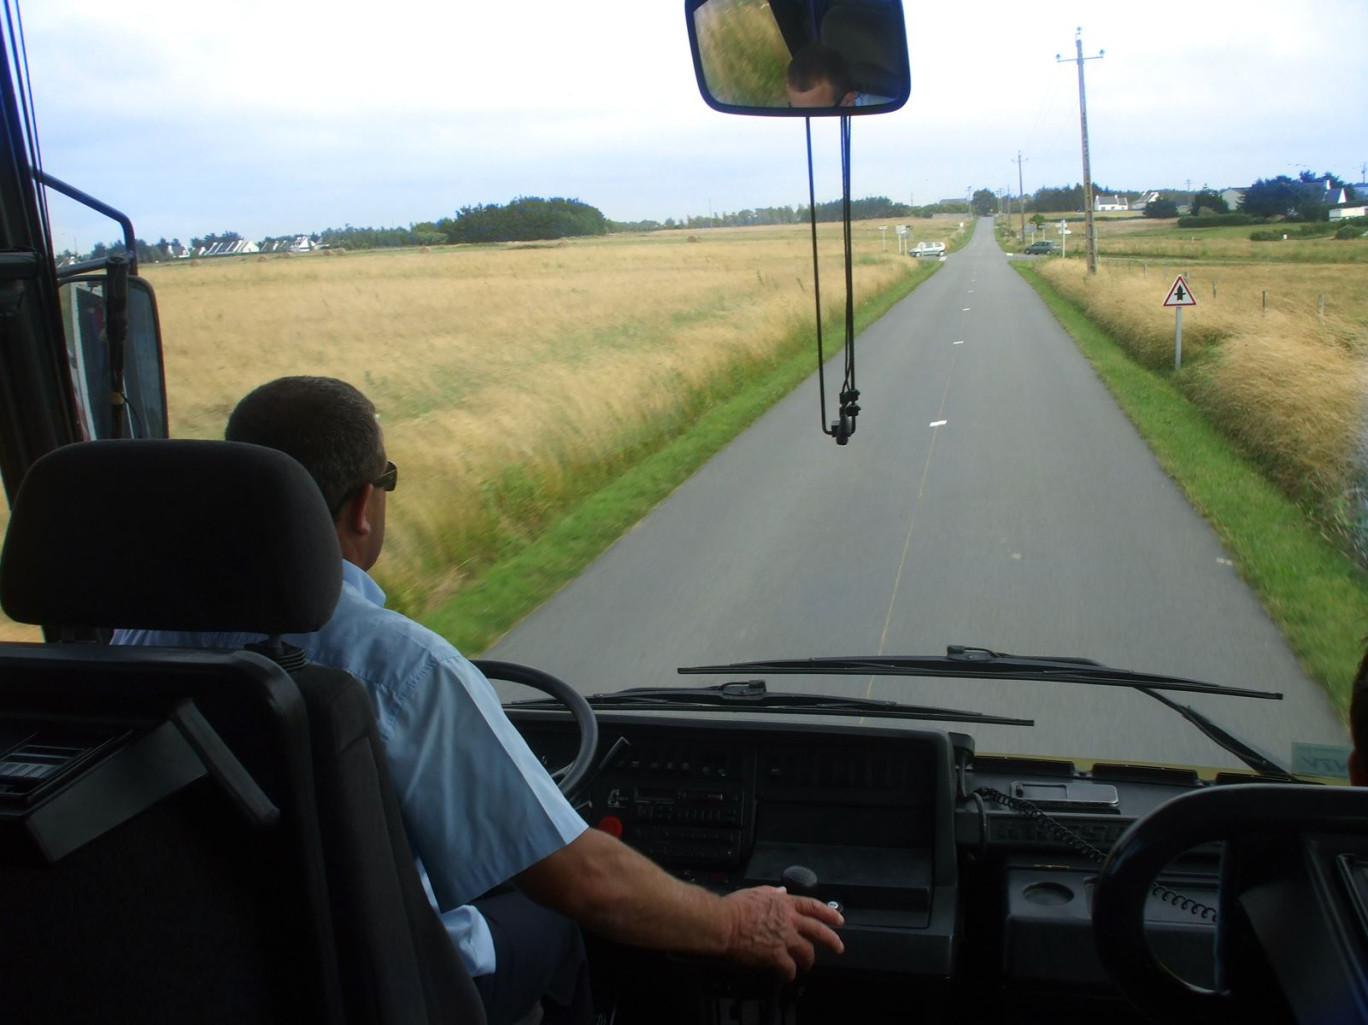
x=1087, y=165
x=1021, y=198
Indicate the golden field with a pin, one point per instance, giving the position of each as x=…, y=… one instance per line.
x=1288, y=385
x=508, y=378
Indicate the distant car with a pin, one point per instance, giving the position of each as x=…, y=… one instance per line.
x=1043, y=247
x=929, y=249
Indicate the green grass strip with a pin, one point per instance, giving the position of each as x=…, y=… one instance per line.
x=485, y=609
x=1316, y=594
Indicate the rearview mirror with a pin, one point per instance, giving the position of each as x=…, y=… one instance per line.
x=140, y=412
x=800, y=58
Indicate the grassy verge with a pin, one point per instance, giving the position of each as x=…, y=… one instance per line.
x=511, y=588
x=1317, y=595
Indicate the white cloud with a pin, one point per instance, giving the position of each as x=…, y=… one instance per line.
x=278, y=116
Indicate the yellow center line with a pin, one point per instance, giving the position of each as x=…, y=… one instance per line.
x=912, y=522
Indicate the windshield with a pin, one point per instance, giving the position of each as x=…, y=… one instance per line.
x=584, y=305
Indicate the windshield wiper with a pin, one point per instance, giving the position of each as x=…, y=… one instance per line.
x=753, y=696
x=1243, y=750
x=980, y=663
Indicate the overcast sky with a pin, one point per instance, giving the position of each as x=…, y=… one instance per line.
x=275, y=116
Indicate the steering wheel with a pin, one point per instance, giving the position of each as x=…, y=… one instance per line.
x=1243, y=816
x=570, y=778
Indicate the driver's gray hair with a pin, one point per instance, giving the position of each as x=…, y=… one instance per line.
x=325, y=424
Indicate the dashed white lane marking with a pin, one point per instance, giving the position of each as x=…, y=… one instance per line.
x=938, y=423
x=960, y=342
x=965, y=310
x=1225, y=562
x=1017, y=556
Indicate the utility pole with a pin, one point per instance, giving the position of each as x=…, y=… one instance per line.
x=1087, y=165
x=1021, y=199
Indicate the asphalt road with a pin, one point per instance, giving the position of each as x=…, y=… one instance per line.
x=993, y=495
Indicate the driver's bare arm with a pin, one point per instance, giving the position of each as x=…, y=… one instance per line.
x=612, y=890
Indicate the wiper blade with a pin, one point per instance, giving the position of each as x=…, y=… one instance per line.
x=1257, y=760
x=753, y=696
x=980, y=663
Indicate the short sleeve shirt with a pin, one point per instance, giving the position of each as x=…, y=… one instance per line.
x=477, y=805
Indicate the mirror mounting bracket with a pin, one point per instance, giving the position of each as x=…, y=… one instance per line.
x=843, y=428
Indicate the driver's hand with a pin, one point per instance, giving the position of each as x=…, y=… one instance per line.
x=771, y=929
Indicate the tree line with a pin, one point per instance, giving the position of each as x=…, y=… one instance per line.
x=1304, y=198
x=531, y=218
x=868, y=208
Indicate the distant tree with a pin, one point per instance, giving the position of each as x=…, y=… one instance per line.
x=149, y=253
x=349, y=237
x=426, y=233
x=1161, y=208
x=629, y=226
x=984, y=202
x=1211, y=200
x=1273, y=197
x=524, y=219
x=1054, y=200
x=865, y=209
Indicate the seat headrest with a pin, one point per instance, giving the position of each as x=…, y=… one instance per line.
x=860, y=32
x=171, y=535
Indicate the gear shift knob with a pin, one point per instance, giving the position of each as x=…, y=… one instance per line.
x=800, y=881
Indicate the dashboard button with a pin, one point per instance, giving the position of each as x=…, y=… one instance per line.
x=610, y=824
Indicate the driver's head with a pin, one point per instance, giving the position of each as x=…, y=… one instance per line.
x=332, y=429
x=1358, y=726
x=818, y=76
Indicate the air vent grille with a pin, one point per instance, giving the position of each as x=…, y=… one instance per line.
x=46, y=753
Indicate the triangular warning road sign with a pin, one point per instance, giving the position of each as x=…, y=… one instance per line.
x=1180, y=294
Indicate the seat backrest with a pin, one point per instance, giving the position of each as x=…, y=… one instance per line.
x=397, y=961
x=196, y=836
x=160, y=857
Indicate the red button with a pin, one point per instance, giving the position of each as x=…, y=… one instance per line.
x=611, y=824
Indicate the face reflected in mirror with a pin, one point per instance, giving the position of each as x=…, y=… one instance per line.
x=814, y=57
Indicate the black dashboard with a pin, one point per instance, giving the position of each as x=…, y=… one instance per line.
x=949, y=869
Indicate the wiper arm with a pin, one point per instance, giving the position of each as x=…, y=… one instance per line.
x=1257, y=760
x=753, y=696
x=980, y=663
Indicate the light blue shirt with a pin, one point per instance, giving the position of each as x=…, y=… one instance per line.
x=478, y=806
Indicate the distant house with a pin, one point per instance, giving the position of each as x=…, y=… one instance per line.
x=1360, y=207
x=1234, y=197
x=1144, y=200
x=1110, y=204
x=1335, y=195
x=289, y=244
x=237, y=248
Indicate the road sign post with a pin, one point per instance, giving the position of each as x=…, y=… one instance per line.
x=1179, y=295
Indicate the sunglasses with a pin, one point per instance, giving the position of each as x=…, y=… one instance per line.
x=387, y=481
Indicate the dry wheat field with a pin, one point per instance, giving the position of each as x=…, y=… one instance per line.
x=1284, y=379
x=503, y=374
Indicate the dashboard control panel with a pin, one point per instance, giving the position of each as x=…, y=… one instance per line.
x=866, y=813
